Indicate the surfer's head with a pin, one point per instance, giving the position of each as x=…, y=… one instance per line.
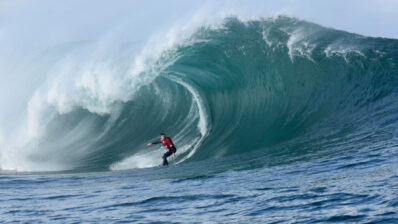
x=162, y=136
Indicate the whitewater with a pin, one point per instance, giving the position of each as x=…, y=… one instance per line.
x=275, y=119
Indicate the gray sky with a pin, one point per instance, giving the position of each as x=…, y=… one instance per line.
x=368, y=17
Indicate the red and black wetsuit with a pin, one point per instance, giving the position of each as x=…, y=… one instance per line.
x=168, y=143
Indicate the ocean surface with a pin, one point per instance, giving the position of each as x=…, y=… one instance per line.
x=276, y=120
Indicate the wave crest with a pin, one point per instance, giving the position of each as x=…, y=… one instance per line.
x=221, y=90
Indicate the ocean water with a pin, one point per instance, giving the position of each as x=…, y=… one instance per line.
x=276, y=120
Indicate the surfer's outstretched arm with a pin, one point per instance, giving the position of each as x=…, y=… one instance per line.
x=153, y=143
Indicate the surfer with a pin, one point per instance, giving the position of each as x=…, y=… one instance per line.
x=168, y=143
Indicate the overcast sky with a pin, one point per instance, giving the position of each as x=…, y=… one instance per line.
x=368, y=17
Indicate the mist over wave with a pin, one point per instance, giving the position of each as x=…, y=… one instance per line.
x=226, y=88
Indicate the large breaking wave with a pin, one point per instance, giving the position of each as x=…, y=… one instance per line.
x=223, y=90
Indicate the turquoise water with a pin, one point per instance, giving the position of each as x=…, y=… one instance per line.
x=275, y=121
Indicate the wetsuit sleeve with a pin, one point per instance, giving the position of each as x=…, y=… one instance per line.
x=157, y=142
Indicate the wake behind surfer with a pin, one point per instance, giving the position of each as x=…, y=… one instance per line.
x=168, y=143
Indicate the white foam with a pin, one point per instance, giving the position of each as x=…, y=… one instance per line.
x=298, y=46
x=140, y=160
x=268, y=41
x=341, y=49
